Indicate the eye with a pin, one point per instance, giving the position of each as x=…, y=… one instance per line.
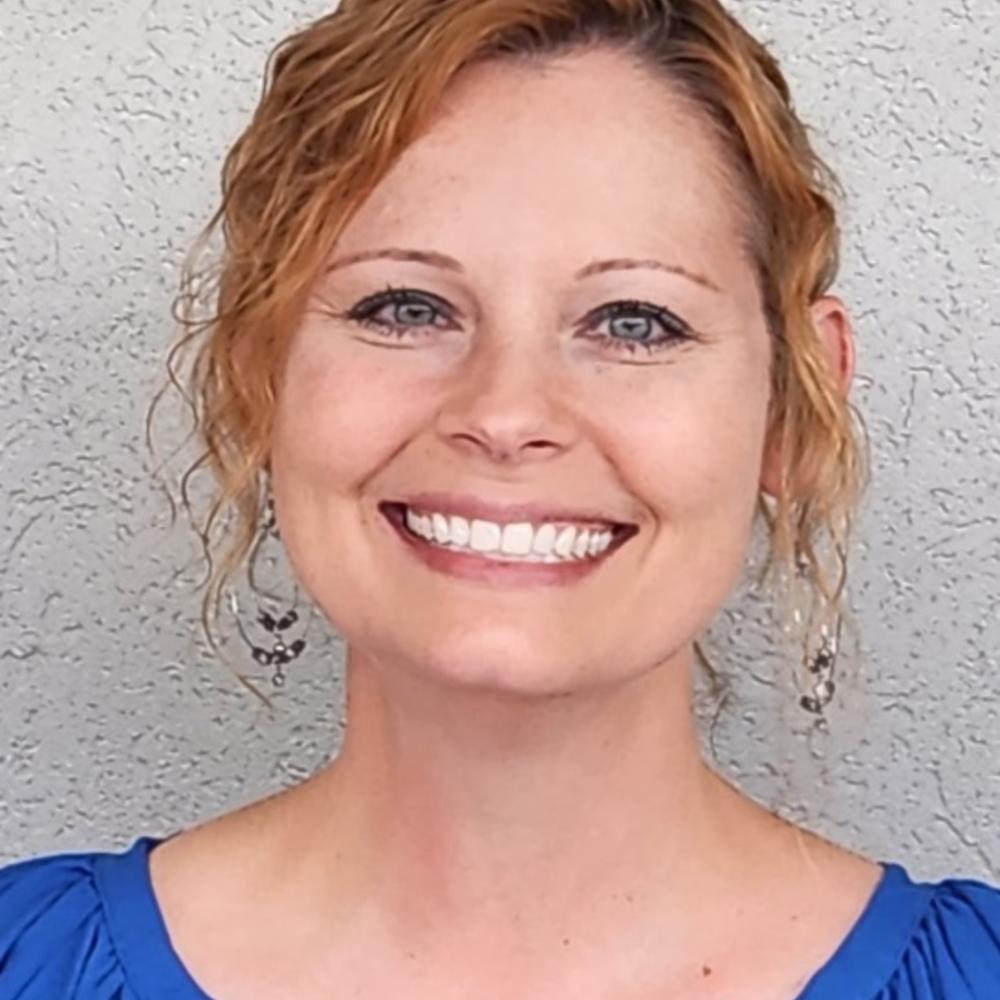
x=635, y=325
x=404, y=311
x=640, y=326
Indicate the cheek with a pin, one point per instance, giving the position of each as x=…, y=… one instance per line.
x=689, y=437
x=339, y=420
x=688, y=447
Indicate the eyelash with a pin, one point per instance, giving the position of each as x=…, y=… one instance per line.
x=677, y=330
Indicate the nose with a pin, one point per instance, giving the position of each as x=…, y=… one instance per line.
x=507, y=404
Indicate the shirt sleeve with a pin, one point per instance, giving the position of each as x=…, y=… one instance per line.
x=54, y=940
x=954, y=952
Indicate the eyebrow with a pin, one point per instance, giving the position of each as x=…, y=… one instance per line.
x=443, y=261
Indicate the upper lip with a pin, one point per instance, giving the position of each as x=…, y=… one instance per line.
x=465, y=505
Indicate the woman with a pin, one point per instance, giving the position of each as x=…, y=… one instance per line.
x=524, y=317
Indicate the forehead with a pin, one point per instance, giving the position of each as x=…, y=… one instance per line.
x=583, y=154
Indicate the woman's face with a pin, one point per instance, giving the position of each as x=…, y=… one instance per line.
x=505, y=375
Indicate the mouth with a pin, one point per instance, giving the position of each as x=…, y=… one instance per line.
x=549, y=546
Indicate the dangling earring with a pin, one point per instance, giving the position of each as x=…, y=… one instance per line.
x=820, y=663
x=276, y=624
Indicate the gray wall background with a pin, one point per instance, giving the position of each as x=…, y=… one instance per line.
x=114, y=718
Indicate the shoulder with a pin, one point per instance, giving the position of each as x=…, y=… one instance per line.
x=955, y=940
x=924, y=940
x=55, y=938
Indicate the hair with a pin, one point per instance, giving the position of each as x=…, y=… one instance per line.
x=346, y=95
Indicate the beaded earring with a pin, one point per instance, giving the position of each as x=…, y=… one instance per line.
x=819, y=664
x=275, y=623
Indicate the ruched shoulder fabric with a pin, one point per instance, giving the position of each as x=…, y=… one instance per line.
x=918, y=941
x=54, y=940
x=84, y=926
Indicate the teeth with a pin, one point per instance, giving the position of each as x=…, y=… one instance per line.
x=546, y=543
x=517, y=539
x=564, y=543
x=459, y=531
x=441, y=529
x=485, y=536
x=545, y=538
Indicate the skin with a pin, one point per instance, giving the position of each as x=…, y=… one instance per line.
x=520, y=807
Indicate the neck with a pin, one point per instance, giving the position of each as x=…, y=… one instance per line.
x=478, y=823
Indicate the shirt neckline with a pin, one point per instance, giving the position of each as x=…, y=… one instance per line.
x=137, y=927
x=860, y=965
x=873, y=948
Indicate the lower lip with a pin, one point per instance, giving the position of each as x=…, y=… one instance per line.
x=473, y=567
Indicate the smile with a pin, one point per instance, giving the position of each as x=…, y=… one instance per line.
x=506, y=552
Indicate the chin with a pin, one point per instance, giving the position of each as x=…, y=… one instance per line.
x=506, y=661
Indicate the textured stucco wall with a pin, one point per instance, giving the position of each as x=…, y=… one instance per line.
x=114, y=720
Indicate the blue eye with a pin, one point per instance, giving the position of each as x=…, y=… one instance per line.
x=640, y=329
x=410, y=310
x=639, y=325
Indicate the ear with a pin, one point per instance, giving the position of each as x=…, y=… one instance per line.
x=833, y=326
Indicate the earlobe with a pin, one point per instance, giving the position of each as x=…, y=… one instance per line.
x=832, y=323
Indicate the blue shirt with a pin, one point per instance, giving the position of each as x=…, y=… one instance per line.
x=86, y=926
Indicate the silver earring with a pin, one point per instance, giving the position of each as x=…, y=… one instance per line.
x=819, y=664
x=276, y=624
